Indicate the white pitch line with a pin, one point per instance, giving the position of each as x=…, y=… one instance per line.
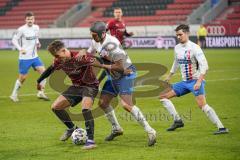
x=230, y=79
x=31, y=94
x=52, y=93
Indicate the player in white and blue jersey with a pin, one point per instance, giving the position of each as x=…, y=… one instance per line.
x=193, y=65
x=26, y=41
x=118, y=82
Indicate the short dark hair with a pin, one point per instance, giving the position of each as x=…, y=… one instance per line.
x=29, y=14
x=55, y=46
x=117, y=8
x=183, y=27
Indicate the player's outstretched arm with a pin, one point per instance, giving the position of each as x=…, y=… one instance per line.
x=172, y=71
x=15, y=41
x=203, y=66
x=44, y=75
x=128, y=34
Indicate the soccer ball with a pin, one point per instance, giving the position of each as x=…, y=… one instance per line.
x=79, y=136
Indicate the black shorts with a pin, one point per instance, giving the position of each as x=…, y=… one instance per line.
x=202, y=38
x=75, y=94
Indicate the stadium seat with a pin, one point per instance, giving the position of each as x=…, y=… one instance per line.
x=142, y=12
x=232, y=16
x=46, y=12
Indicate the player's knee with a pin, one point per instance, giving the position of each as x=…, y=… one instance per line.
x=56, y=106
x=101, y=104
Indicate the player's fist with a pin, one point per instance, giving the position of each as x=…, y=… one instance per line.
x=197, y=85
x=22, y=51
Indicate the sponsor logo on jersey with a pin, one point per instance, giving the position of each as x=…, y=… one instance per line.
x=31, y=38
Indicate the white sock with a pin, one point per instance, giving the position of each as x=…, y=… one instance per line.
x=43, y=83
x=170, y=108
x=137, y=114
x=110, y=114
x=212, y=115
x=17, y=86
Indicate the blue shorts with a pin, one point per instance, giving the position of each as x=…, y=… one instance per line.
x=184, y=87
x=25, y=64
x=124, y=85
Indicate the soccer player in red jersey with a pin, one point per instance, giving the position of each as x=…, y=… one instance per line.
x=117, y=26
x=84, y=88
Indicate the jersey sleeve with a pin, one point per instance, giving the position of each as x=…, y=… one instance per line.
x=46, y=74
x=114, y=50
x=175, y=64
x=202, y=61
x=109, y=25
x=16, y=37
x=56, y=64
x=85, y=60
x=37, y=34
x=91, y=50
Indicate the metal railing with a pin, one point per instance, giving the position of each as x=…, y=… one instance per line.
x=215, y=11
x=73, y=15
x=196, y=16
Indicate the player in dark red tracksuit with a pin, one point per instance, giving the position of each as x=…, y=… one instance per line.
x=117, y=29
x=117, y=26
x=84, y=88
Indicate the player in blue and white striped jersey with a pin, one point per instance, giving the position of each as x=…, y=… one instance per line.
x=193, y=65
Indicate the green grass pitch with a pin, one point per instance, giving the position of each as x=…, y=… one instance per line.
x=29, y=130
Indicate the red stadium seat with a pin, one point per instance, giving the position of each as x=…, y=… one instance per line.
x=46, y=12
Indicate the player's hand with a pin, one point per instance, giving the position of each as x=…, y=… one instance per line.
x=39, y=45
x=131, y=33
x=22, y=51
x=39, y=86
x=197, y=85
x=82, y=52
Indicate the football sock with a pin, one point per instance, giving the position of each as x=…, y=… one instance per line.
x=64, y=117
x=43, y=83
x=170, y=108
x=89, y=123
x=17, y=86
x=212, y=115
x=137, y=114
x=110, y=114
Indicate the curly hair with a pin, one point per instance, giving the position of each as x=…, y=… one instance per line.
x=55, y=46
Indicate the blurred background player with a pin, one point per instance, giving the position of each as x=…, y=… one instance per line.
x=193, y=65
x=117, y=26
x=26, y=41
x=118, y=83
x=84, y=88
x=201, y=36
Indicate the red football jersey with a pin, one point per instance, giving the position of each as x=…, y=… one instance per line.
x=78, y=69
x=117, y=29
